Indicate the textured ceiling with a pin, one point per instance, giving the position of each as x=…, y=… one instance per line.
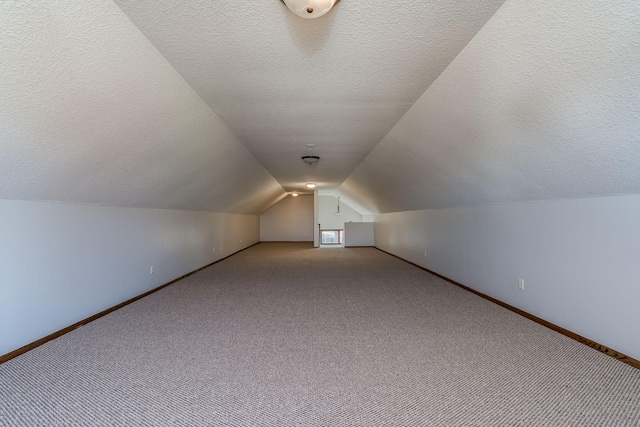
x=92, y=113
x=544, y=103
x=279, y=81
x=206, y=105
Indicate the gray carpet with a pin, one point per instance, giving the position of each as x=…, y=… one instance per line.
x=284, y=335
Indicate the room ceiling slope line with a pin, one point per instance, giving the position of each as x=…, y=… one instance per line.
x=280, y=82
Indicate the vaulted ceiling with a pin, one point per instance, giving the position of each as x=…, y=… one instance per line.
x=208, y=105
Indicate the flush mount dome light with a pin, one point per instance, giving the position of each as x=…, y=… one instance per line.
x=295, y=194
x=311, y=185
x=309, y=8
x=312, y=160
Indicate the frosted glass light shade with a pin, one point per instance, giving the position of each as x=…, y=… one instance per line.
x=310, y=8
x=310, y=160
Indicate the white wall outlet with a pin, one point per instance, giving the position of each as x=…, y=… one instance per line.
x=151, y=270
x=521, y=284
x=425, y=254
x=214, y=249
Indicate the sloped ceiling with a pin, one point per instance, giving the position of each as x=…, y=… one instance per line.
x=280, y=82
x=208, y=105
x=544, y=103
x=92, y=113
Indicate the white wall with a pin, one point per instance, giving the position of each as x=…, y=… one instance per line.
x=290, y=220
x=579, y=259
x=327, y=206
x=61, y=263
x=358, y=234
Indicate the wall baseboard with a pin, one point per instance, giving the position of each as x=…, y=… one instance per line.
x=43, y=340
x=606, y=350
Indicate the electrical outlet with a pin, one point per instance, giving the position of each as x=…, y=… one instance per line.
x=425, y=254
x=214, y=249
x=151, y=270
x=521, y=284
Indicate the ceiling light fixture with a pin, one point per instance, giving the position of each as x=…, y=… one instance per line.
x=295, y=194
x=338, y=213
x=309, y=8
x=311, y=185
x=311, y=160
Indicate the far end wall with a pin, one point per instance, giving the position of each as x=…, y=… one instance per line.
x=290, y=220
x=327, y=206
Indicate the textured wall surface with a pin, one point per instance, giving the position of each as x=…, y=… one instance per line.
x=544, y=103
x=327, y=206
x=166, y=104
x=92, y=113
x=578, y=259
x=290, y=220
x=61, y=263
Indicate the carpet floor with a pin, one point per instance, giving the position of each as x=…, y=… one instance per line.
x=286, y=335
